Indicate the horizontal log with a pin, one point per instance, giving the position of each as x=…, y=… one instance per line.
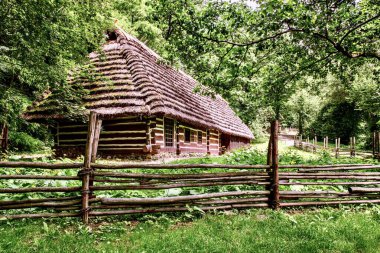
x=194, y=180
x=179, y=176
x=38, y=215
x=330, y=174
x=115, y=145
x=70, y=208
x=125, y=124
x=140, y=148
x=114, y=201
x=364, y=190
x=40, y=165
x=39, y=177
x=331, y=183
x=169, y=186
x=176, y=209
x=332, y=177
x=23, y=201
x=41, y=204
x=198, y=203
x=306, y=166
x=39, y=189
x=330, y=203
x=367, y=167
x=283, y=193
x=175, y=166
x=328, y=196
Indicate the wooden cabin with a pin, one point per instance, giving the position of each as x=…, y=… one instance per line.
x=146, y=107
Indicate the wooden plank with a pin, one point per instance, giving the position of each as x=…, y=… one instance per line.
x=176, y=166
x=31, y=165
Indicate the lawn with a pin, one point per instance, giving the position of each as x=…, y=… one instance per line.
x=355, y=229
x=326, y=230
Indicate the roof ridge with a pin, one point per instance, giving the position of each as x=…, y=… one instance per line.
x=120, y=32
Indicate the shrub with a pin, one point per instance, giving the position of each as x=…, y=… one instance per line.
x=20, y=141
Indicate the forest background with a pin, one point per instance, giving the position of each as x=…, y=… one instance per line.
x=313, y=64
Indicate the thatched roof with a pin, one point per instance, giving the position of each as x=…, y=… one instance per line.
x=130, y=79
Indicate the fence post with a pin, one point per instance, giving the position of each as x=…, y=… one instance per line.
x=87, y=171
x=270, y=147
x=378, y=146
x=98, y=126
x=337, y=147
x=4, y=137
x=275, y=192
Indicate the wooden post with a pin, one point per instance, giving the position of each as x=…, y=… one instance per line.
x=270, y=146
x=87, y=167
x=337, y=147
x=98, y=126
x=275, y=190
x=378, y=145
x=4, y=137
x=373, y=144
x=352, y=146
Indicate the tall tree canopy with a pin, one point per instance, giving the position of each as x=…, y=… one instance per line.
x=256, y=55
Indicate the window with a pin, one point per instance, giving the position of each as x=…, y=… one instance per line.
x=187, y=135
x=192, y=136
x=169, y=132
x=199, y=137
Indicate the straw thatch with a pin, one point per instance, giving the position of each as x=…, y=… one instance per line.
x=130, y=79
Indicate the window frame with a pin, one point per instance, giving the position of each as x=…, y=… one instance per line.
x=187, y=135
x=200, y=137
x=166, y=127
x=192, y=136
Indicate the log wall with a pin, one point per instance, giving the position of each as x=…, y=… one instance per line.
x=183, y=147
x=135, y=135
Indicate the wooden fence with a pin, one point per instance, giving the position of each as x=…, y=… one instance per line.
x=208, y=187
x=338, y=150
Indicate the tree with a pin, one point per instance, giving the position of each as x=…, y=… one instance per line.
x=39, y=42
x=277, y=42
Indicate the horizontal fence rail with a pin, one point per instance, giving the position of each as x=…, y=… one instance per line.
x=90, y=189
x=42, y=194
x=241, y=186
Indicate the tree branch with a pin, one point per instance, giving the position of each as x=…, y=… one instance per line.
x=357, y=27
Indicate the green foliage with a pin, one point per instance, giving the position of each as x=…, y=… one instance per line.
x=337, y=120
x=24, y=142
x=39, y=42
x=270, y=61
x=246, y=156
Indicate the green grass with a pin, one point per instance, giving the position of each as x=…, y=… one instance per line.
x=326, y=230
